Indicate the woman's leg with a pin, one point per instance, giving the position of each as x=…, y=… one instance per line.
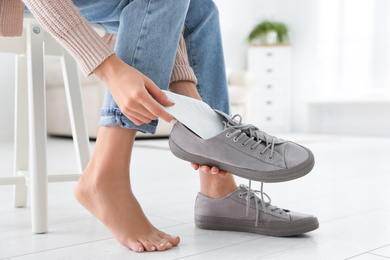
x=205, y=53
x=211, y=185
x=104, y=189
x=148, y=37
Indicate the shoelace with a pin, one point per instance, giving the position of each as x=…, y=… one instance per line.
x=265, y=205
x=249, y=133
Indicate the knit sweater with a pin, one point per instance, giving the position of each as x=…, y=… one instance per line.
x=62, y=19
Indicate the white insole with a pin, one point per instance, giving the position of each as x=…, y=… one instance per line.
x=196, y=115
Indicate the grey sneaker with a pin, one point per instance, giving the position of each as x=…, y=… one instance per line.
x=243, y=150
x=231, y=213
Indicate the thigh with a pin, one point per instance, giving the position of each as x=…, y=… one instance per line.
x=104, y=12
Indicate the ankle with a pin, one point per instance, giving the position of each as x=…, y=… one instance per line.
x=185, y=88
x=216, y=187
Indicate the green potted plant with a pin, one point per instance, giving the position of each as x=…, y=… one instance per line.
x=269, y=33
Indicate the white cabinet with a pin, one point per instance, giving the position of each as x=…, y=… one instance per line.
x=271, y=101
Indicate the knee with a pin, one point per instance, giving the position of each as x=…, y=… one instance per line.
x=210, y=9
x=176, y=6
x=213, y=8
x=205, y=9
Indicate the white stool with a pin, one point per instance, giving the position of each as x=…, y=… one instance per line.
x=30, y=118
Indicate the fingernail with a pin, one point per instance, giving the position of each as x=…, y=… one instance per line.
x=170, y=100
x=169, y=244
x=174, y=237
x=140, y=249
x=153, y=248
x=161, y=244
x=173, y=121
x=214, y=172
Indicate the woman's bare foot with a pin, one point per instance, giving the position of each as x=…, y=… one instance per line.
x=114, y=204
x=104, y=190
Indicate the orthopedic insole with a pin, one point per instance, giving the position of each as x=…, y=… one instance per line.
x=196, y=115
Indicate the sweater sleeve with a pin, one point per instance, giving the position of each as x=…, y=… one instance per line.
x=181, y=68
x=64, y=21
x=11, y=18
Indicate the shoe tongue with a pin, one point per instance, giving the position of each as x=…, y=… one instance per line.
x=226, y=118
x=243, y=187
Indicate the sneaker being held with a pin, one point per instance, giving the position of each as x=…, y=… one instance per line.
x=242, y=150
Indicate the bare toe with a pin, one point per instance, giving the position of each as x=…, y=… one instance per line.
x=149, y=246
x=174, y=240
x=136, y=247
x=162, y=244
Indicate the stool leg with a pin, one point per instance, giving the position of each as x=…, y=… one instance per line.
x=37, y=129
x=21, y=129
x=76, y=110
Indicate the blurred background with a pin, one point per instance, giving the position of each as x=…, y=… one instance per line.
x=325, y=85
x=336, y=72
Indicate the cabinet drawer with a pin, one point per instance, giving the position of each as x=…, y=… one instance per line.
x=272, y=88
x=271, y=119
x=267, y=54
x=272, y=70
x=266, y=104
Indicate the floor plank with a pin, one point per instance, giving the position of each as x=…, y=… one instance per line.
x=384, y=251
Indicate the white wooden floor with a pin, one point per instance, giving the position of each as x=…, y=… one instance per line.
x=348, y=190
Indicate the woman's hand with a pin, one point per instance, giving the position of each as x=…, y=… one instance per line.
x=207, y=169
x=135, y=94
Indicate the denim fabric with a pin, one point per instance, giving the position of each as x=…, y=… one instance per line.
x=205, y=53
x=148, y=36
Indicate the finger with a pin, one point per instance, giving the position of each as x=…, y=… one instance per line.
x=137, y=118
x=135, y=121
x=157, y=94
x=151, y=105
x=222, y=173
x=214, y=170
x=205, y=168
x=143, y=112
x=195, y=166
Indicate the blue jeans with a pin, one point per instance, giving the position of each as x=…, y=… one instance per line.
x=148, y=36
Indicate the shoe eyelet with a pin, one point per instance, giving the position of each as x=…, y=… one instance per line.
x=240, y=195
x=235, y=139
x=261, y=153
x=228, y=135
x=252, y=149
x=270, y=157
x=242, y=144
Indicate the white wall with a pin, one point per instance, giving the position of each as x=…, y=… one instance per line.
x=339, y=52
x=7, y=67
x=237, y=20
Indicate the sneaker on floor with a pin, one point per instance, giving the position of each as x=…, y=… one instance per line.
x=231, y=213
x=243, y=150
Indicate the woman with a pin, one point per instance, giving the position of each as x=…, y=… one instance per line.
x=152, y=52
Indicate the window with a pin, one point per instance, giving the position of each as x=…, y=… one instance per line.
x=353, y=47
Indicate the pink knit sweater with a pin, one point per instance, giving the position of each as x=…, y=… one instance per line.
x=63, y=20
